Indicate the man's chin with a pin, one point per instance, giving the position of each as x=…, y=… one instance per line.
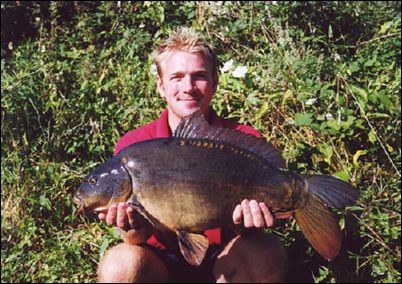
x=189, y=109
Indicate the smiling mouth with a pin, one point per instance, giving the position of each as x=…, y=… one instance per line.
x=189, y=99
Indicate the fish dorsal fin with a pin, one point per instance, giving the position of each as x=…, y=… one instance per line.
x=195, y=126
x=192, y=246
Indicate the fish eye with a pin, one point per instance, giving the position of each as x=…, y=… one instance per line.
x=92, y=181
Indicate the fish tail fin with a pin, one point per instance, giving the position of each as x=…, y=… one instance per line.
x=320, y=227
x=331, y=191
x=317, y=222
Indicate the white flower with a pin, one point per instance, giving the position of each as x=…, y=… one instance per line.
x=311, y=101
x=153, y=69
x=240, y=72
x=257, y=78
x=226, y=67
x=337, y=57
x=329, y=116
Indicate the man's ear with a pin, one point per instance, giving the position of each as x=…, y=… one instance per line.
x=159, y=86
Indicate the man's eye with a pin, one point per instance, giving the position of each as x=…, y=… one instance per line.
x=200, y=76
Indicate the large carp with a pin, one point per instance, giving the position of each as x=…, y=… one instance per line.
x=192, y=181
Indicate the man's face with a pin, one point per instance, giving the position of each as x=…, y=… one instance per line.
x=187, y=83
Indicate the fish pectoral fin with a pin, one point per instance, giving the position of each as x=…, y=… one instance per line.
x=192, y=246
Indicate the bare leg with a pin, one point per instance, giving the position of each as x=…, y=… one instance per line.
x=131, y=264
x=255, y=257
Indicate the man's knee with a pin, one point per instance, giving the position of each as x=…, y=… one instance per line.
x=256, y=257
x=131, y=264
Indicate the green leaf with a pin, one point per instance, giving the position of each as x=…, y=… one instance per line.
x=342, y=222
x=371, y=136
x=333, y=124
x=330, y=31
x=252, y=100
x=104, y=246
x=379, y=267
x=262, y=110
x=327, y=151
x=45, y=202
x=288, y=94
x=303, y=118
x=378, y=114
x=369, y=63
x=385, y=100
x=343, y=175
x=389, y=148
x=385, y=27
x=357, y=155
x=354, y=67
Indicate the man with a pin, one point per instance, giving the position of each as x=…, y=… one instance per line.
x=187, y=79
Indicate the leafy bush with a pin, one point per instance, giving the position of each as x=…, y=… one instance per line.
x=321, y=80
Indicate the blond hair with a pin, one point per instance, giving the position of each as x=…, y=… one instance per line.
x=184, y=39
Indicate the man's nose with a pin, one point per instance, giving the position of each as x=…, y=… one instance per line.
x=187, y=84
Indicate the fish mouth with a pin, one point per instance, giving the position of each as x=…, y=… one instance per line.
x=78, y=200
x=83, y=206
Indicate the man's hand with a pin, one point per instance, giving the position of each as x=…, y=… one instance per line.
x=124, y=217
x=120, y=215
x=254, y=214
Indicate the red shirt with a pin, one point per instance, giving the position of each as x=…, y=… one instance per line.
x=159, y=128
